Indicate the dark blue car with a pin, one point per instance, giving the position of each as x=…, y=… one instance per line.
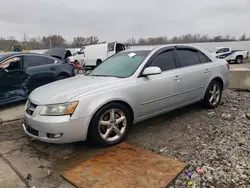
x=21, y=73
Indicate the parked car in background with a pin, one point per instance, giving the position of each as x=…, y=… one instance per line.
x=128, y=87
x=94, y=55
x=229, y=55
x=59, y=53
x=21, y=73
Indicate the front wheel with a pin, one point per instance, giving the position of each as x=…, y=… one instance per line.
x=213, y=95
x=110, y=125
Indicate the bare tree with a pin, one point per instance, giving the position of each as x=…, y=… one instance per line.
x=243, y=37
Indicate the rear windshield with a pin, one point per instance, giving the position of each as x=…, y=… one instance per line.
x=121, y=65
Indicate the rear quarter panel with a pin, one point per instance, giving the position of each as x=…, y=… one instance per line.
x=219, y=70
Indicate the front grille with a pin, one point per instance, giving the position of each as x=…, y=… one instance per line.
x=31, y=130
x=30, y=108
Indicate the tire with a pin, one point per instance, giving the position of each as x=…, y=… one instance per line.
x=216, y=99
x=98, y=62
x=238, y=60
x=61, y=77
x=97, y=131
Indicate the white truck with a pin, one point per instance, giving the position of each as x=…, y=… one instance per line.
x=229, y=55
x=93, y=55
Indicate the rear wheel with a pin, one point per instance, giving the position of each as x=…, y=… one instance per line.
x=98, y=62
x=213, y=95
x=110, y=125
x=238, y=60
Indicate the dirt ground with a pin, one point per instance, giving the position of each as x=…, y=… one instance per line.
x=195, y=135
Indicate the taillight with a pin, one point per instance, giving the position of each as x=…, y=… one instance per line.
x=228, y=66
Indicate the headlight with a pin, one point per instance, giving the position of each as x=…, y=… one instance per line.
x=59, y=109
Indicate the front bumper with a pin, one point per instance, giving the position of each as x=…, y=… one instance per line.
x=40, y=127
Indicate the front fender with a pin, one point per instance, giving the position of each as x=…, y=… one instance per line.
x=90, y=104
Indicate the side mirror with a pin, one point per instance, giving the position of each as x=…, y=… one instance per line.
x=151, y=71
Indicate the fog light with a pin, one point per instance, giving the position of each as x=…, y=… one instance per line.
x=54, y=136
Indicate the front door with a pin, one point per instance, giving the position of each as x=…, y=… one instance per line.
x=12, y=80
x=158, y=93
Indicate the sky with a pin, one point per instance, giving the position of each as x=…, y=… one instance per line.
x=118, y=20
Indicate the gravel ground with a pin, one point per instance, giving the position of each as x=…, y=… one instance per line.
x=215, y=141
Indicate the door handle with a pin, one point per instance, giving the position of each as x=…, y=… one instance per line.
x=207, y=71
x=177, y=78
x=52, y=69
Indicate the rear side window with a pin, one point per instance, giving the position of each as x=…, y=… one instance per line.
x=111, y=46
x=33, y=61
x=165, y=61
x=50, y=61
x=203, y=58
x=226, y=50
x=188, y=57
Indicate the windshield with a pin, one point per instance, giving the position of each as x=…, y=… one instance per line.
x=121, y=65
x=82, y=50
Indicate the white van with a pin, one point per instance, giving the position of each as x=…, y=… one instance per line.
x=93, y=55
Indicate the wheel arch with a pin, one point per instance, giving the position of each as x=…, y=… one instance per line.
x=99, y=60
x=63, y=74
x=218, y=79
x=119, y=101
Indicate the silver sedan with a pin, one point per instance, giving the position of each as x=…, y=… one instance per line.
x=129, y=87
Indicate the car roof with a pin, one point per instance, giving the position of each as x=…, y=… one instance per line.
x=157, y=47
x=10, y=54
x=6, y=55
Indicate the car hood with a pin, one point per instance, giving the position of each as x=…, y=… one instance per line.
x=64, y=90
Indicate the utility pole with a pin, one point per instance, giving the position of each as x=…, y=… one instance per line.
x=50, y=43
x=25, y=41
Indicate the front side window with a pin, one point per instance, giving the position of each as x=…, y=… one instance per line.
x=33, y=61
x=111, y=46
x=188, y=57
x=220, y=51
x=121, y=65
x=165, y=61
x=14, y=63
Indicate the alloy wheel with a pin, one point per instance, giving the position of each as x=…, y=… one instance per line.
x=112, y=125
x=214, y=94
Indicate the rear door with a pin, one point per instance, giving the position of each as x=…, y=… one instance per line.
x=195, y=74
x=111, y=49
x=41, y=70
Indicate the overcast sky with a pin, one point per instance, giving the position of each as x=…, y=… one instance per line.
x=121, y=19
